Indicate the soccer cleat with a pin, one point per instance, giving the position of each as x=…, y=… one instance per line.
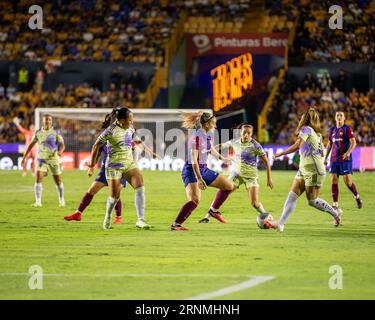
x=338, y=218
x=217, y=216
x=62, y=204
x=204, y=220
x=118, y=220
x=178, y=227
x=36, y=204
x=359, y=203
x=141, y=224
x=279, y=227
x=77, y=216
x=24, y=174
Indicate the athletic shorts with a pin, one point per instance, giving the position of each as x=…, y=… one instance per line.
x=117, y=173
x=101, y=177
x=46, y=166
x=341, y=168
x=188, y=175
x=312, y=179
x=239, y=180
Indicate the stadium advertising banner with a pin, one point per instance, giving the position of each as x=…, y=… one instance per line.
x=363, y=159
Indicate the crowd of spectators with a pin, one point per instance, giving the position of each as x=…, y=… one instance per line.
x=327, y=96
x=316, y=41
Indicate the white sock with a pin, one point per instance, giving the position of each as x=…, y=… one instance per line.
x=140, y=202
x=289, y=206
x=335, y=204
x=322, y=205
x=111, y=203
x=60, y=192
x=38, y=188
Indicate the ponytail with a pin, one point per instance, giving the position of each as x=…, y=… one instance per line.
x=192, y=120
x=109, y=118
x=117, y=113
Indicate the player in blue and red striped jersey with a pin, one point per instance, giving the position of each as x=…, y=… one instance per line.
x=342, y=142
x=195, y=174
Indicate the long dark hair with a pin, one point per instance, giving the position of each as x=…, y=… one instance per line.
x=117, y=113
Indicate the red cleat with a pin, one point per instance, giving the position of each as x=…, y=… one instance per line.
x=77, y=216
x=178, y=227
x=217, y=216
x=118, y=220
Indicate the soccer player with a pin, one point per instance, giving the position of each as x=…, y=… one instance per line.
x=120, y=164
x=51, y=147
x=342, y=142
x=28, y=138
x=311, y=172
x=246, y=152
x=195, y=174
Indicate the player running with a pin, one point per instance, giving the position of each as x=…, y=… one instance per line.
x=120, y=164
x=342, y=142
x=246, y=152
x=51, y=147
x=311, y=171
x=28, y=138
x=195, y=174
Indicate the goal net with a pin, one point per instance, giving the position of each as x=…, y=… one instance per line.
x=159, y=129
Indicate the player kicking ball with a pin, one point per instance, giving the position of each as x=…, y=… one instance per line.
x=312, y=171
x=342, y=142
x=246, y=152
x=50, y=148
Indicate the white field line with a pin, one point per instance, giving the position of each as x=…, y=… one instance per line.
x=254, y=281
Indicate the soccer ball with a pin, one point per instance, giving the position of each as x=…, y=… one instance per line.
x=264, y=223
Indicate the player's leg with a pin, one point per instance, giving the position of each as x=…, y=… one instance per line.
x=313, y=200
x=348, y=179
x=335, y=189
x=135, y=179
x=24, y=168
x=38, y=188
x=95, y=187
x=118, y=207
x=114, y=184
x=253, y=194
x=297, y=189
x=33, y=163
x=193, y=194
x=59, y=189
x=226, y=186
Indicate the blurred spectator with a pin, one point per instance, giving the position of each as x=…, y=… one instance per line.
x=23, y=79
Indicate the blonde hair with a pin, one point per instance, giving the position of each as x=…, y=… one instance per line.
x=310, y=118
x=191, y=120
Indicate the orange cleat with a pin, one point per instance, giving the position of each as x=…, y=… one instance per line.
x=77, y=216
x=217, y=216
x=118, y=220
x=178, y=227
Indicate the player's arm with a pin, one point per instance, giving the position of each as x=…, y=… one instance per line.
x=353, y=144
x=268, y=169
x=61, y=148
x=329, y=148
x=296, y=146
x=147, y=149
x=28, y=149
x=217, y=154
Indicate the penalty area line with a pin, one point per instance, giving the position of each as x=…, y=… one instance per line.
x=254, y=281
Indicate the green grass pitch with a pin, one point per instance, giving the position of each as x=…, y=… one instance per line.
x=81, y=261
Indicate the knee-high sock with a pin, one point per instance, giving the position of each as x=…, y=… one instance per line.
x=60, y=192
x=140, y=202
x=118, y=208
x=262, y=213
x=185, y=212
x=289, y=206
x=221, y=196
x=111, y=203
x=86, y=200
x=38, y=188
x=335, y=193
x=353, y=189
x=322, y=205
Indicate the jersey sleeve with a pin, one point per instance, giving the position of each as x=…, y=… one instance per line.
x=59, y=138
x=330, y=135
x=304, y=133
x=104, y=136
x=349, y=133
x=227, y=144
x=259, y=150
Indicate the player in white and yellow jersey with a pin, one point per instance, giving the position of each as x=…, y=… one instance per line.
x=311, y=173
x=50, y=148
